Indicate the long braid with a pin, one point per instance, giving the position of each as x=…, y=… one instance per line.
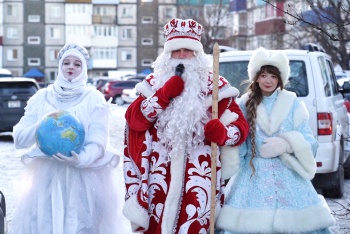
x=255, y=98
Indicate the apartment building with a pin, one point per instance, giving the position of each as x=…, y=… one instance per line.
x=125, y=34
x=32, y=33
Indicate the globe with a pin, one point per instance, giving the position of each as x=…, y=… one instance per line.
x=60, y=132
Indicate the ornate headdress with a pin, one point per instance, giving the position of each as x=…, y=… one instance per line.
x=262, y=57
x=181, y=33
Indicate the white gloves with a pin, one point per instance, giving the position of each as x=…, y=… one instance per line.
x=274, y=146
x=73, y=160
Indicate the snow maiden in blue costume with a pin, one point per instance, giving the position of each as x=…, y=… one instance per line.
x=272, y=191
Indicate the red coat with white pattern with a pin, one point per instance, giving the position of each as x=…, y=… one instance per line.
x=174, y=196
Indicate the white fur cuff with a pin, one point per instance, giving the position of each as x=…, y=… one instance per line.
x=304, y=162
x=229, y=156
x=136, y=214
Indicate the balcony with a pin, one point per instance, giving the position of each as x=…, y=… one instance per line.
x=77, y=1
x=103, y=19
x=270, y=26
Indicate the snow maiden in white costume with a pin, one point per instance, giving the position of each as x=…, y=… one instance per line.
x=272, y=191
x=61, y=195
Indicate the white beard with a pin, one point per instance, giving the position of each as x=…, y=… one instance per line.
x=181, y=125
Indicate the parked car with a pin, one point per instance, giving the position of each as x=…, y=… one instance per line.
x=313, y=80
x=14, y=94
x=114, y=89
x=139, y=77
x=99, y=82
x=5, y=73
x=129, y=95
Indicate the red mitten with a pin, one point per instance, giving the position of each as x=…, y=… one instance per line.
x=215, y=131
x=173, y=87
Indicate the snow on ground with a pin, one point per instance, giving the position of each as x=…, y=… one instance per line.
x=10, y=168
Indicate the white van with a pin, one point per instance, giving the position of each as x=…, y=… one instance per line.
x=313, y=79
x=5, y=73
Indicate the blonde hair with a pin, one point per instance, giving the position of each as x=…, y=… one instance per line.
x=255, y=97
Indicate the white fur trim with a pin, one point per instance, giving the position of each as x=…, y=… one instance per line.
x=173, y=198
x=300, y=114
x=230, y=162
x=228, y=117
x=275, y=221
x=304, y=162
x=229, y=155
x=182, y=43
x=144, y=88
x=136, y=214
x=226, y=93
x=262, y=57
x=285, y=102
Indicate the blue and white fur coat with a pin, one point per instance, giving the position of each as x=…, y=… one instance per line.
x=279, y=197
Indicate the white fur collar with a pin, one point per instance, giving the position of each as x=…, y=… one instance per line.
x=281, y=109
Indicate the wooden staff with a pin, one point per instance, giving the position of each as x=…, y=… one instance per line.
x=216, y=54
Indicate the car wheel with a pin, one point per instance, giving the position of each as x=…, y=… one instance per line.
x=118, y=100
x=338, y=190
x=347, y=168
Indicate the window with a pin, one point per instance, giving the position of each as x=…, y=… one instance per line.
x=169, y=12
x=219, y=34
x=101, y=10
x=54, y=33
x=127, y=12
x=33, y=61
x=12, y=10
x=126, y=34
x=297, y=81
x=105, y=31
x=147, y=41
x=53, y=54
x=147, y=62
x=79, y=8
x=235, y=72
x=126, y=55
x=104, y=53
x=33, y=18
x=78, y=30
x=53, y=76
x=12, y=54
x=147, y=20
x=55, y=11
x=34, y=40
x=12, y=33
x=272, y=11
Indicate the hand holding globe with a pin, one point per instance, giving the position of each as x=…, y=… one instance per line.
x=60, y=132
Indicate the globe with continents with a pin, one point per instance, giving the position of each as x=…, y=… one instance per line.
x=60, y=132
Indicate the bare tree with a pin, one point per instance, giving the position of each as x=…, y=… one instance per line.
x=326, y=22
x=213, y=17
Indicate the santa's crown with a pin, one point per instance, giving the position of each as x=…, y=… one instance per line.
x=179, y=28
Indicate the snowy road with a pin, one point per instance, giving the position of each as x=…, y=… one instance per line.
x=10, y=168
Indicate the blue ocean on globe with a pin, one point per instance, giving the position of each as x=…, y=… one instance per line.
x=60, y=132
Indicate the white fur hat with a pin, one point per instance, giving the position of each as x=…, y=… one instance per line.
x=276, y=58
x=181, y=33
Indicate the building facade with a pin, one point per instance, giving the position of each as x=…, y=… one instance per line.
x=127, y=35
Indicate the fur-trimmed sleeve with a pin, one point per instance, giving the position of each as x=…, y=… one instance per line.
x=303, y=143
x=231, y=115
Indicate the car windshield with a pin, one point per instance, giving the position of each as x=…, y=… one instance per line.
x=17, y=88
x=236, y=73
